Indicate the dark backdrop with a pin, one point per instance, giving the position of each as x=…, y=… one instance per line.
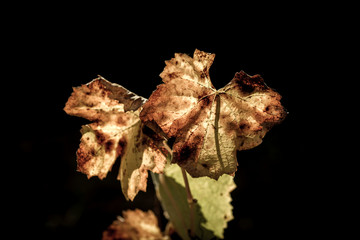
x=60, y=49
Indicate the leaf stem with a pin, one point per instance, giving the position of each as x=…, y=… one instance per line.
x=216, y=127
x=191, y=202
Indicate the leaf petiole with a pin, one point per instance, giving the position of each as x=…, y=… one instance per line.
x=191, y=201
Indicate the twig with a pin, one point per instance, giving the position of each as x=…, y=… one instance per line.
x=191, y=202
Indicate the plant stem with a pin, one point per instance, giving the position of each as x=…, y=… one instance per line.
x=187, y=187
x=191, y=202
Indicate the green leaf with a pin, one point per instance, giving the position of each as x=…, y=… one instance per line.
x=213, y=208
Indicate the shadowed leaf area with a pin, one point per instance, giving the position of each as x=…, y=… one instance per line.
x=212, y=210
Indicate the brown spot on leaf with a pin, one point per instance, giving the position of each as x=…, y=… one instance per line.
x=92, y=152
x=243, y=126
x=204, y=102
x=121, y=121
x=82, y=158
x=187, y=151
x=109, y=146
x=196, y=139
x=121, y=146
x=204, y=165
x=230, y=127
x=184, y=153
x=100, y=137
x=249, y=84
x=173, y=75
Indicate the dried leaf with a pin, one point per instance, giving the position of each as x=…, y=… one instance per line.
x=209, y=125
x=135, y=224
x=116, y=131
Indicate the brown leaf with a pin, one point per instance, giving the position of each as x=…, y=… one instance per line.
x=210, y=125
x=136, y=224
x=116, y=131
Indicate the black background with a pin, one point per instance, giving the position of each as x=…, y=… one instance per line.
x=62, y=47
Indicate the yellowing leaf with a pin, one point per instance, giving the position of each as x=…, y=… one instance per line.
x=210, y=125
x=135, y=224
x=116, y=131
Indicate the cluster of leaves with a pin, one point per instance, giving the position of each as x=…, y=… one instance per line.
x=208, y=126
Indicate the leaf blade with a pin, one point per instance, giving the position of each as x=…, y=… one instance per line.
x=213, y=207
x=135, y=224
x=116, y=131
x=215, y=123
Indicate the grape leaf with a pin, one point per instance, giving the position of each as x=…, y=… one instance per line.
x=209, y=125
x=213, y=209
x=116, y=131
x=135, y=224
